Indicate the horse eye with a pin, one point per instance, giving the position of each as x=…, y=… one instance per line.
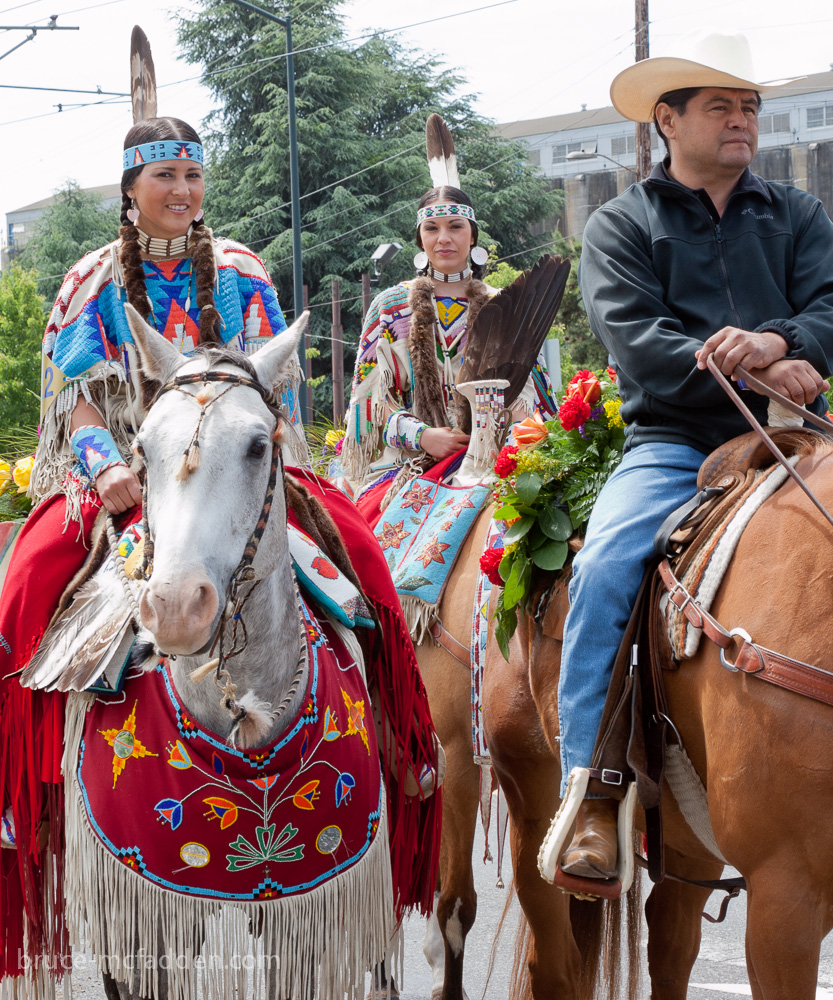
x=257, y=449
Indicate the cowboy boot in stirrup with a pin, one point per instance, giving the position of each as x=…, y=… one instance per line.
x=594, y=847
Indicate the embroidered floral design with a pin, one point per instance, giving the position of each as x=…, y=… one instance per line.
x=432, y=552
x=417, y=497
x=125, y=744
x=269, y=848
x=355, y=719
x=393, y=535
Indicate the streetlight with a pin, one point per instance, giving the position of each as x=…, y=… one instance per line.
x=587, y=155
x=382, y=256
x=294, y=184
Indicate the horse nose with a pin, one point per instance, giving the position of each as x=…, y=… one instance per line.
x=180, y=613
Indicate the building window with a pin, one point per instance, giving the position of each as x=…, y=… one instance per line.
x=624, y=144
x=534, y=157
x=818, y=117
x=18, y=227
x=559, y=152
x=768, y=124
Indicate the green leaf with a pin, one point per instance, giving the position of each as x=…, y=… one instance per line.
x=518, y=530
x=536, y=538
x=555, y=524
x=506, y=513
x=513, y=591
x=528, y=485
x=505, y=566
x=551, y=556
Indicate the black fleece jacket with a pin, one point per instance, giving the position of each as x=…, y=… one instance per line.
x=661, y=272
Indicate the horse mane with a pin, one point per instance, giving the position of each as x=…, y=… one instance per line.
x=804, y=444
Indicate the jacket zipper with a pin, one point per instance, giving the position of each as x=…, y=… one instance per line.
x=718, y=232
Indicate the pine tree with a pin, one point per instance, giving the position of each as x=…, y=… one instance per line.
x=361, y=110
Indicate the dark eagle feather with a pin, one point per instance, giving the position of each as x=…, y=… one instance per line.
x=509, y=331
x=142, y=77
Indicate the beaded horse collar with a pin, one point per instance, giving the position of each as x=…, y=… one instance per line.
x=244, y=573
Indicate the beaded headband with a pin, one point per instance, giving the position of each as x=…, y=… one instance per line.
x=162, y=149
x=444, y=211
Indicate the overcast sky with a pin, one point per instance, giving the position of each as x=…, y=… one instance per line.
x=523, y=58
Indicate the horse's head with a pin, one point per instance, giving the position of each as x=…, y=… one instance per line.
x=207, y=449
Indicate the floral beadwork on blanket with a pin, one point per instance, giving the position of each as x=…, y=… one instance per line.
x=177, y=805
x=421, y=532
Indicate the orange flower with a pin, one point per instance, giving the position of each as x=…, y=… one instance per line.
x=530, y=431
x=585, y=386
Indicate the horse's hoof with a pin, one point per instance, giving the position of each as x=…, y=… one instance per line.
x=437, y=992
x=386, y=992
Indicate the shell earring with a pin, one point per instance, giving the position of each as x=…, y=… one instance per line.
x=198, y=217
x=479, y=256
x=133, y=213
x=421, y=262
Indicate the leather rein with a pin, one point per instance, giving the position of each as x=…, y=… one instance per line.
x=244, y=573
x=752, y=658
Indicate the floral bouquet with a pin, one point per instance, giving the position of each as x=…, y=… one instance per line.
x=15, y=505
x=547, y=484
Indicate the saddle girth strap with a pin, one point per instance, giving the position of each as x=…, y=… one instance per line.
x=752, y=659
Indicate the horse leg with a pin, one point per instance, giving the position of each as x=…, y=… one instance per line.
x=456, y=904
x=784, y=966
x=529, y=774
x=674, y=914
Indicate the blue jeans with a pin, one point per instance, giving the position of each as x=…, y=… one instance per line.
x=651, y=481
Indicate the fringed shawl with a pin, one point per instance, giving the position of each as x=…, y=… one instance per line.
x=404, y=317
x=90, y=352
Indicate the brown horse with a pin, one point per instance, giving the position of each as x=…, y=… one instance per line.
x=764, y=754
x=562, y=951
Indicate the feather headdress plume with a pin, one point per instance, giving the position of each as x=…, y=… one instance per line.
x=142, y=77
x=442, y=160
x=506, y=336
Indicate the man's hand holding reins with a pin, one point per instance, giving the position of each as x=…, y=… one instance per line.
x=797, y=380
x=731, y=347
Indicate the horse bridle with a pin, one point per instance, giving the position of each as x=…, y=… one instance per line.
x=244, y=573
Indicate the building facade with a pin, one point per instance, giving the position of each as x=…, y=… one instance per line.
x=795, y=129
x=20, y=224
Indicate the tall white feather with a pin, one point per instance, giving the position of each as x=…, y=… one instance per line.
x=439, y=147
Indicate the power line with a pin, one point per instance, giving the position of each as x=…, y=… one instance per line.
x=309, y=194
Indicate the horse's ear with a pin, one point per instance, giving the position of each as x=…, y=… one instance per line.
x=273, y=359
x=160, y=359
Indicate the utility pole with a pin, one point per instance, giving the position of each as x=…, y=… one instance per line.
x=294, y=183
x=643, y=130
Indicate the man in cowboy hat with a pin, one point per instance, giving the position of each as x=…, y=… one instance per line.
x=704, y=258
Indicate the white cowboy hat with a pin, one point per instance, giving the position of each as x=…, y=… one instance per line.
x=713, y=60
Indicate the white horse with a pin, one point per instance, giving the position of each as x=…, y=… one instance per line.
x=217, y=548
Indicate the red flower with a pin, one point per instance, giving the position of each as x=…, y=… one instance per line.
x=573, y=412
x=611, y=374
x=586, y=385
x=506, y=463
x=489, y=562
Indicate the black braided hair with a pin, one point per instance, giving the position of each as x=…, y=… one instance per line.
x=202, y=245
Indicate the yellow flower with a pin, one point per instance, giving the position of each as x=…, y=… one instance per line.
x=612, y=413
x=5, y=476
x=22, y=473
x=510, y=548
x=331, y=438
